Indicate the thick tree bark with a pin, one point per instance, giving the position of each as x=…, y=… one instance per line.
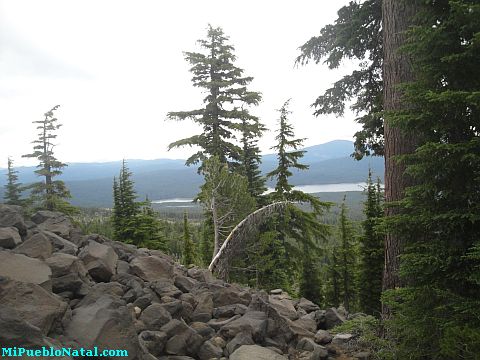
x=397, y=16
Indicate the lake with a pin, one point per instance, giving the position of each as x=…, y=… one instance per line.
x=316, y=188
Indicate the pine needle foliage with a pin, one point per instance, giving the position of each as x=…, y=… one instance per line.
x=13, y=189
x=225, y=105
x=355, y=34
x=438, y=308
x=371, y=251
x=49, y=194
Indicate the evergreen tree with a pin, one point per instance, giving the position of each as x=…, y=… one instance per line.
x=49, y=194
x=13, y=189
x=225, y=105
x=332, y=286
x=356, y=33
x=134, y=222
x=371, y=251
x=346, y=258
x=438, y=306
x=298, y=231
x=225, y=197
x=251, y=159
x=188, y=245
x=310, y=283
x=125, y=205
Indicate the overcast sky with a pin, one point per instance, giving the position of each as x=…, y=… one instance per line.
x=116, y=68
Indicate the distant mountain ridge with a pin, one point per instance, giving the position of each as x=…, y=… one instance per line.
x=91, y=183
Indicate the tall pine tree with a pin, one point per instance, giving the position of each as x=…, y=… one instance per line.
x=188, y=254
x=226, y=102
x=298, y=231
x=49, y=194
x=371, y=251
x=346, y=258
x=13, y=189
x=438, y=306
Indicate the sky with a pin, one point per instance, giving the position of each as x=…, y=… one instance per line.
x=116, y=68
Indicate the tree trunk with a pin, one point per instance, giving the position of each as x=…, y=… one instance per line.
x=397, y=17
x=216, y=230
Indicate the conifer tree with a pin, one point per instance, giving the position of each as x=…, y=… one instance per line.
x=371, y=251
x=251, y=158
x=13, y=189
x=226, y=102
x=146, y=228
x=49, y=194
x=225, y=197
x=298, y=231
x=188, y=245
x=437, y=309
x=346, y=258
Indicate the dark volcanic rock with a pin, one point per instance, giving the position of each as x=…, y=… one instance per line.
x=9, y=237
x=36, y=246
x=11, y=215
x=25, y=269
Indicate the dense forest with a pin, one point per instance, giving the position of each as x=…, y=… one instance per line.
x=405, y=254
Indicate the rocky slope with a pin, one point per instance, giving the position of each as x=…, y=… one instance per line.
x=60, y=288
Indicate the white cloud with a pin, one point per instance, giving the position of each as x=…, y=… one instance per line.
x=116, y=68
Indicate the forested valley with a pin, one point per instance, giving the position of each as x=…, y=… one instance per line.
x=396, y=269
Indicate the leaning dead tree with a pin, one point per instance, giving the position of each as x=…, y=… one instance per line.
x=236, y=239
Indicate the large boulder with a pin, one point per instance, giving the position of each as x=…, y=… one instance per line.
x=68, y=274
x=60, y=244
x=14, y=331
x=36, y=246
x=9, y=237
x=284, y=305
x=249, y=352
x=100, y=260
x=155, y=316
x=333, y=318
x=12, y=215
x=106, y=323
x=54, y=222
x=230, y=295
x=254, y=322
x=33, y=304
x=204, y=308
x=22, y=268
x=151, y=268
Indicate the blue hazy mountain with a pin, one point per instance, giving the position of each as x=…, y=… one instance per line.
x=91, y=183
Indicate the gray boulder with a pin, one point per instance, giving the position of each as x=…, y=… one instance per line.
x=323, y=337
x=54, y=222
x=33, y=304
x=60, y=244
x=242, y=338
x=333, y=318
x=15, y=331
x=152, y=342
x=69, y=274
x=307, y=305
x=209, y=350
x=151, y=268
x=155, y=316
x=250, y=352
x=12, y=215
x=106, y=323
x=36, y=246
x=230, y=295
x=284, y=306
x=24, y=269
x=254, y=322
x=204, y=308
x=100, y=260
x=9, y=237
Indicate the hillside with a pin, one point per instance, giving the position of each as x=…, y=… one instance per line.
x=91, y=183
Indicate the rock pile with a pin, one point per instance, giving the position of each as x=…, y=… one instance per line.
x=61, y=288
